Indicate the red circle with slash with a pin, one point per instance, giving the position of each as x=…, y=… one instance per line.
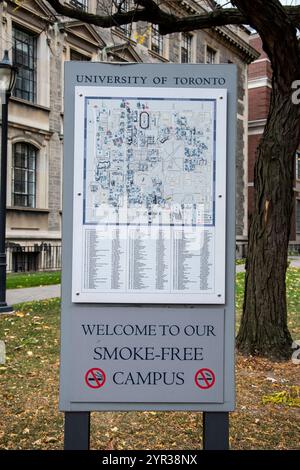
x=95, y=378
x=205, y=378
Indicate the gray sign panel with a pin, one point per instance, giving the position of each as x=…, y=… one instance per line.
x=116, y=356
x=124, y=354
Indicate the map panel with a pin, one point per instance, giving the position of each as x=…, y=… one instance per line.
x=149, y=161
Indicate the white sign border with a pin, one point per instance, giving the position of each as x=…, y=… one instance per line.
x=218, y=297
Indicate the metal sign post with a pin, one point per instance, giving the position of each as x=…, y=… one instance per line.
x=148, y=243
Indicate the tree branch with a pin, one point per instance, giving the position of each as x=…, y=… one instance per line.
x=277, y=30
x=148, y=10
x=147, y=13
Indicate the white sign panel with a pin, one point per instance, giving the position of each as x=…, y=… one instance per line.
x=149, y=195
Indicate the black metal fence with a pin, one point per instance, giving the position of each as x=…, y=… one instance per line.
x=242, y=249
x=47, y=257
x=37, y=257
x=294, y=249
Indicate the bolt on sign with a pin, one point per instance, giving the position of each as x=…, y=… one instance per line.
x=148, y=237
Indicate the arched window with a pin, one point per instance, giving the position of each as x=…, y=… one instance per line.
x=24, y=175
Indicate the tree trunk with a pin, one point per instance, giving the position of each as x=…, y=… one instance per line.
x=263, y=329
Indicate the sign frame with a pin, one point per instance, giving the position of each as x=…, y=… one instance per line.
x=215, y=295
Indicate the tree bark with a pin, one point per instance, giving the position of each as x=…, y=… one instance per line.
x=263, y=329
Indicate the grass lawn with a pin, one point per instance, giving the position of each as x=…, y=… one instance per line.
x=33, y=279
x=268, y=397
x=21, y=280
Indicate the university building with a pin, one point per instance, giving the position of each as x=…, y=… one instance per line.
x=260, y=86
x=39, y=42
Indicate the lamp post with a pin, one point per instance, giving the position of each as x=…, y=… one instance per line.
x=8, y=75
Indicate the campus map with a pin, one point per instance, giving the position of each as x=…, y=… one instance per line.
x=149, y=161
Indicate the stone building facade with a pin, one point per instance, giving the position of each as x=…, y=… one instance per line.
x=260, y=86
x=39, y=42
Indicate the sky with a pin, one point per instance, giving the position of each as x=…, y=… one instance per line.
x=284, y=2
x=227, y=4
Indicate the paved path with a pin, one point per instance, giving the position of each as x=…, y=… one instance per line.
x=295, y=261
x=240, y=268
x=15, y=296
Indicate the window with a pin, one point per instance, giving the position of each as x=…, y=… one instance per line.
x=80, y=4
x=186, y=48
x=123, y=7
x=74, y=55
x=24, y=175
x=156, y=40
x=211, y=55
x=24, y=57
x=298, y=216
x=298, y=165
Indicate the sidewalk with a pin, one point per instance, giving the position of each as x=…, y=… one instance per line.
x=15, y=296
x=295, y=261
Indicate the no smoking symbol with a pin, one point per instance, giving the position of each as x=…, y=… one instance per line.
x=205, y=378
x=95, y=378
